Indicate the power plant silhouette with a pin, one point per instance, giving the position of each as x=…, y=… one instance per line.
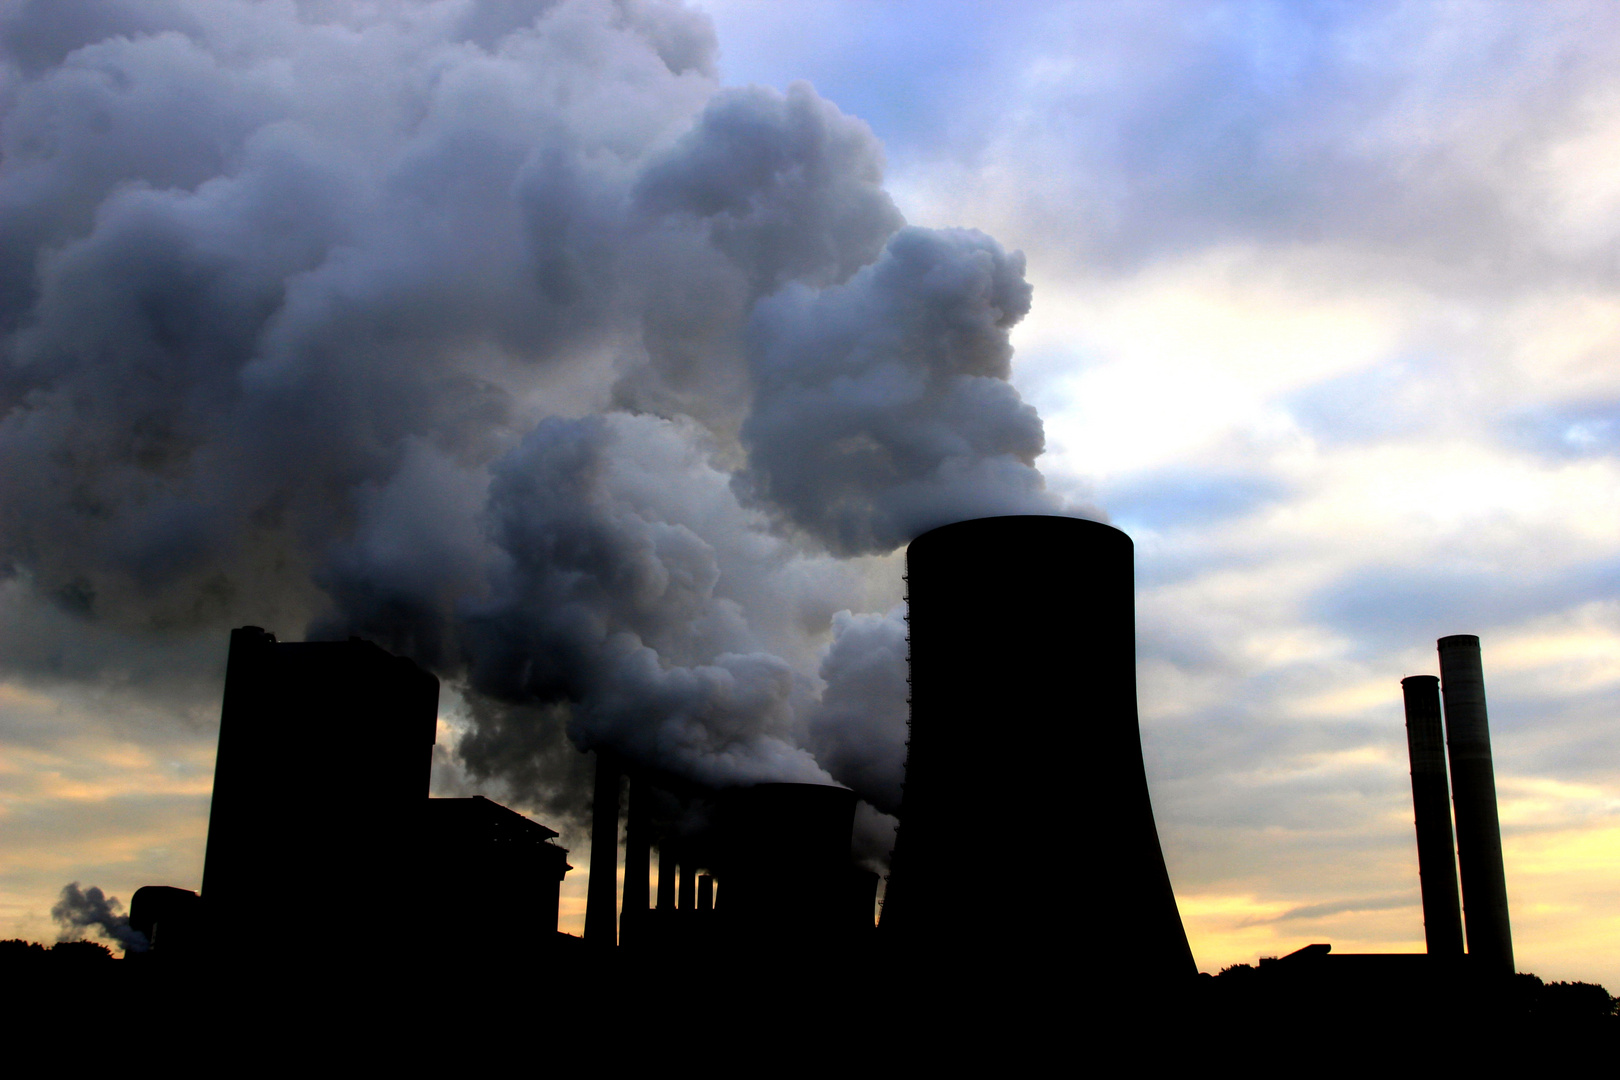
x=1022, y=631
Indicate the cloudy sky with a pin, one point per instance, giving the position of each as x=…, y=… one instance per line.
x=641, y=336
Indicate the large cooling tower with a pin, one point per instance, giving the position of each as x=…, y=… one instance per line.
x=1026, y=817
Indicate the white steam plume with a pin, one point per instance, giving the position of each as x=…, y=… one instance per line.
x=502, y=334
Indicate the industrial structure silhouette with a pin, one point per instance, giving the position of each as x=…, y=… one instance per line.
x=1015, y=622
x=1029, y=623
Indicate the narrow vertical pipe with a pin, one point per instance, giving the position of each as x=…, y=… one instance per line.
x=602, y=891
x=637, y=869
x=1473, y=780
x=1431, y=810
x=688, y=884
x=666, y=875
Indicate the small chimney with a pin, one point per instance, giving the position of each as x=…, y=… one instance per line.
x=1431, y=807
x=1473, y=780
x=601, y=892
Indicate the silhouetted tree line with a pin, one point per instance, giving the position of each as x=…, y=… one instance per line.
x=1525, y=997
x=18, y=953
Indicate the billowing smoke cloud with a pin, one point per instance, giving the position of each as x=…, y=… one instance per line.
x=882, y=406
x=503, y=335
x=80, y=910
x=606, y=597
x=858, y=730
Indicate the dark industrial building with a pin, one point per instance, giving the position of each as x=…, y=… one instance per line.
x=477, y=861
x=300, y=844
x=170, y=918
x=334, y=816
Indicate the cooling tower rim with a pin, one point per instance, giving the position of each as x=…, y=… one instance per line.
x=780, y=785
x=799, y=795
x=1046, y=523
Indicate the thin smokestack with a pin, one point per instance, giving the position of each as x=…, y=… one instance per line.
x=1473, y=778
x=637, y=859
x=1431, y=808
x=666, y=876
x=601, y=894
x=688, y=883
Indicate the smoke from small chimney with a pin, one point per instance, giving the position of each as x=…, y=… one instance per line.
x=79, y=910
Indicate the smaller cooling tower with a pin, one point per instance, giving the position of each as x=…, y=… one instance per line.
x=1025, y=756
x=785, y=869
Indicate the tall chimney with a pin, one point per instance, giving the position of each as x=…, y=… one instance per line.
x=1473, y=779
x=1431, y=807
x=637, y=859
x=601, y=893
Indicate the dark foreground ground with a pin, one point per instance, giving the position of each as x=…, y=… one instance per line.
x=777, y=1011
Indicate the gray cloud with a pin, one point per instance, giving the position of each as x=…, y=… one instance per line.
x=1567, y=430
x=1342, y=907
x=1371, y=405
x=1386, y=605
x=1171, y=127
x=1188, y=497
